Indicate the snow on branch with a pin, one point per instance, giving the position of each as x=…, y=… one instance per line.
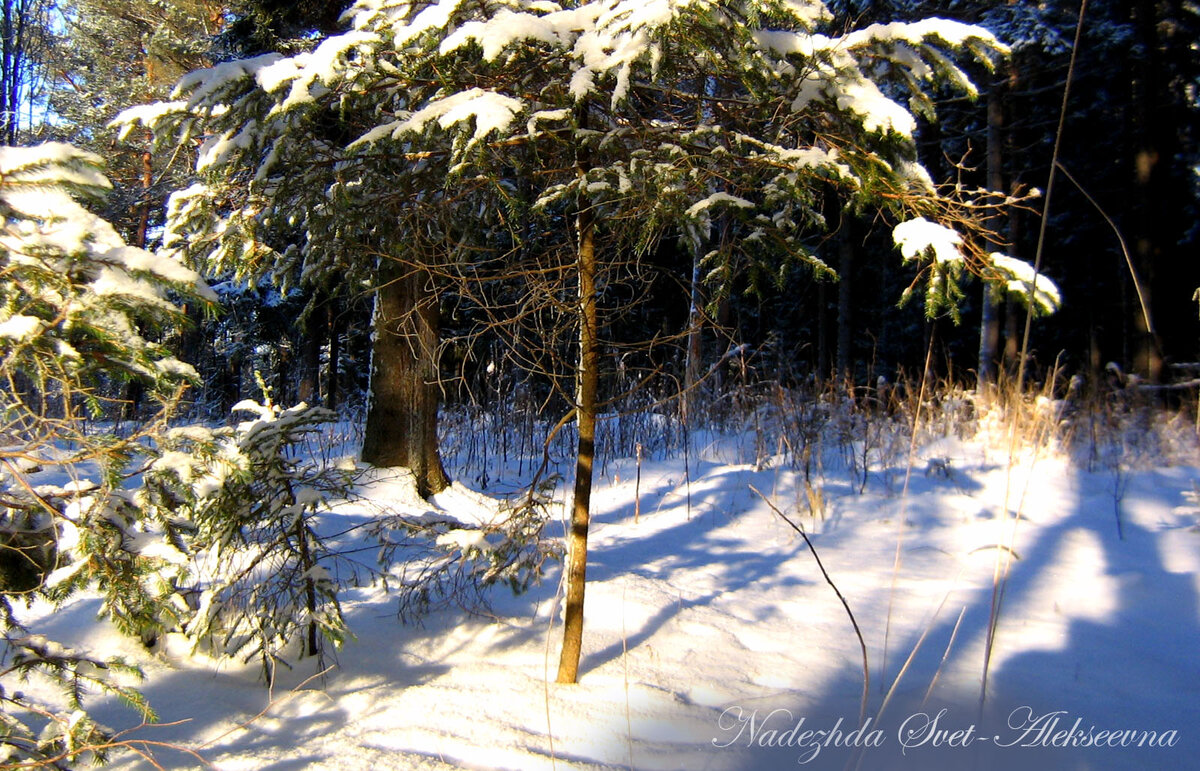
x=496, y=34
x=919, y=237
x=491, y=112
x=202, y=85
x=146, y=115
x=718, y=199
x=1022, y=278
x=310, y=74
x=73, y=289
x=955, y=34
x=833, y=68
x=52, y=164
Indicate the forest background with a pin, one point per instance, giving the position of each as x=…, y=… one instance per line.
x=1124, y=218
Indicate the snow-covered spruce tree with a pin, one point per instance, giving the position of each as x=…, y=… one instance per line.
x=77, y=309
x=261, y=582
x=207, y=532
x=591, y=130
x=258, y=580
x=281, y=203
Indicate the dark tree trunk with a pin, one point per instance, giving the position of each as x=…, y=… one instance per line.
x=1013, y=310
x=1146, y=180
x=12, y=66
x=719, y=375
x=989, y=324
x=307, y=390
x=845, y=300
x=135, y=393
x=691, y=370
x=401, y=425
x=281, y=391
x=823, y=366
x=312, y=339
x=231, y=383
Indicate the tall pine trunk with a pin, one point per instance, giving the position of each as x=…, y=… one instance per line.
x=989, y=324
x=401, y=425
x=587, y=383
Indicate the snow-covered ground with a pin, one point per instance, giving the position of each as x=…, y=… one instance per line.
x=712, y=640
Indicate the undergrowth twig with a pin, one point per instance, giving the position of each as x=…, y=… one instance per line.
x=862, y=715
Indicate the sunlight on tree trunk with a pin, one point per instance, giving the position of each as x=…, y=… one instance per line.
x=401, y=425
x=588, y=381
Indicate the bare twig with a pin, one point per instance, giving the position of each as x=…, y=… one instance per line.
x=862, y=714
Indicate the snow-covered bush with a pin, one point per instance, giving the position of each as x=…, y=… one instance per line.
x=78, y=309
x=256, y=579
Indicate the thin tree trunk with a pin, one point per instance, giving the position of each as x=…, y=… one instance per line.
x=231, y=383
x=401, y=425
x=989, y=340
x=10, y=87
x=989, y=324
x=334, y=327
x=823, y=368
x=312, y=339
x=143, y=226
x=707, y=86
x=1013, y=322
x=135, y=390
x=845, y=312
x=587, y=384
x=719, y=375
x=280, y=385
x=1012, y=310
x=307, y=390
x=691, y=370
x=313, y=641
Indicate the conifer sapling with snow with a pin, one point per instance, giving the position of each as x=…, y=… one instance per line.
x=78, y=308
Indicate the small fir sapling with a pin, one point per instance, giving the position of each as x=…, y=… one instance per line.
x=260, y=579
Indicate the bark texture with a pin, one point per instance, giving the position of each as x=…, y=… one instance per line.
x=587, y=385
x=401, y=425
